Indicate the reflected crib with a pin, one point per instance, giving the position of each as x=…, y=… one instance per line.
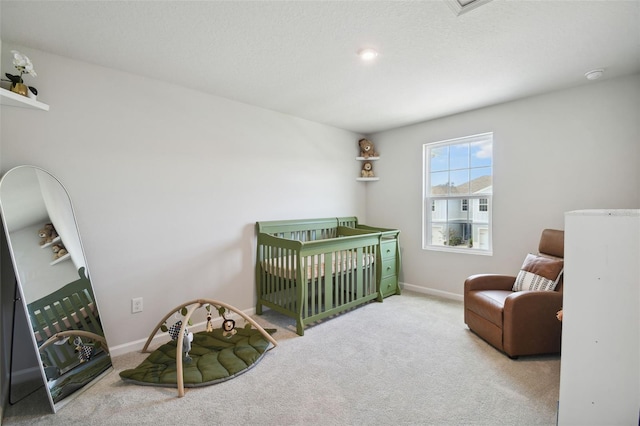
x=60, y=314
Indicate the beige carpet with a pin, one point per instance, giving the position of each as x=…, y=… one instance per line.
x=409, y=361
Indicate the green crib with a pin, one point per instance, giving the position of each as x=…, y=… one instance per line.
x=312, y=269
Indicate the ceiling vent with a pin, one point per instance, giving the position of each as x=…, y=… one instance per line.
x=462, y=6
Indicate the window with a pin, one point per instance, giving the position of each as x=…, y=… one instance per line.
x=458, y=189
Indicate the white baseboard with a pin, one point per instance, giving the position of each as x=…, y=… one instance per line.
x=162, y=337
x=431, y=291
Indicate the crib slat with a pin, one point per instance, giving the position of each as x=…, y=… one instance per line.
x=359, y=273
x=327, y=279
x=37, y=322
x=312, y=300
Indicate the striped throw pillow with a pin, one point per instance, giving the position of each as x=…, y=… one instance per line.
x=539, y=273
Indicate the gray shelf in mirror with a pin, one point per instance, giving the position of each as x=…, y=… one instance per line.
x=55, y=240
x=8, y=98
x=61, y=259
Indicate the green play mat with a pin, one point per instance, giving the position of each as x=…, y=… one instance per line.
x=215, y=358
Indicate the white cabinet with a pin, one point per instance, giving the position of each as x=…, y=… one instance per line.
x=600, y=364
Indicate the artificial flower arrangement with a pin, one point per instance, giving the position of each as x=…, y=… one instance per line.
x=24, y=66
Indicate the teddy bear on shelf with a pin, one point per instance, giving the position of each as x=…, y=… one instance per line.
x=58, y=251
x=367, y=170
x=366, y=148
x=47, y=234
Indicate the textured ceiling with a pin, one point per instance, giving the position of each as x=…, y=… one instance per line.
x=299, y=57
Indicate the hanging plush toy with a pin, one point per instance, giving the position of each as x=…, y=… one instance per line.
x=209, y=323
x=174, y=330
x=228, y=327
x=85, y=352
x=186, y=345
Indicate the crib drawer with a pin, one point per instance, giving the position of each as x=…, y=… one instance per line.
x=389, y=267
x=388, y=249
x=389, y=286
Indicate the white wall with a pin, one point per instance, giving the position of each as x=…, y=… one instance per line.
x=167, y=183
x=568, y=150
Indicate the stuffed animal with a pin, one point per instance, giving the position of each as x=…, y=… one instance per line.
x=58, y=251
x=228, y=327
x=186, y=345
x=209, y=323
x=47, y=234
x=366, y=148
x=367, y=170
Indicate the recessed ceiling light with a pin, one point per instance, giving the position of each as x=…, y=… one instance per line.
x=594, y=74
x=367, y=54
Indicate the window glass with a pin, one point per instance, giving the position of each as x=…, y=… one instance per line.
x=458, y=190
x=439, y=159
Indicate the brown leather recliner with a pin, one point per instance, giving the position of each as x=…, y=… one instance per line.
x=516, y=322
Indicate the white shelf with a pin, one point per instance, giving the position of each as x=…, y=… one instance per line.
x=54, y=241
x=367, y=179
x=61, y=259
x=9, y=98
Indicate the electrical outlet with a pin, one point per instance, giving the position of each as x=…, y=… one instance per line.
x=136, y=305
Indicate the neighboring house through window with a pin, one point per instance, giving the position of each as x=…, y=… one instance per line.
x=458, y=187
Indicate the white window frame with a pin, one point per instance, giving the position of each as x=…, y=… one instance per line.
x=432, y=202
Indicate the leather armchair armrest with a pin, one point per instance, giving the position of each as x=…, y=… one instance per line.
x=530, y=324
x=489, y=282
x=532, y=304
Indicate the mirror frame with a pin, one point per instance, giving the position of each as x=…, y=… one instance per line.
x=84, y=270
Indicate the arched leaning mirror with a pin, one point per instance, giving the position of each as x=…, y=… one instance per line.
x=53, y=284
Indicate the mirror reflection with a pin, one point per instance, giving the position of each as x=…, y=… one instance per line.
x=53, y=282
